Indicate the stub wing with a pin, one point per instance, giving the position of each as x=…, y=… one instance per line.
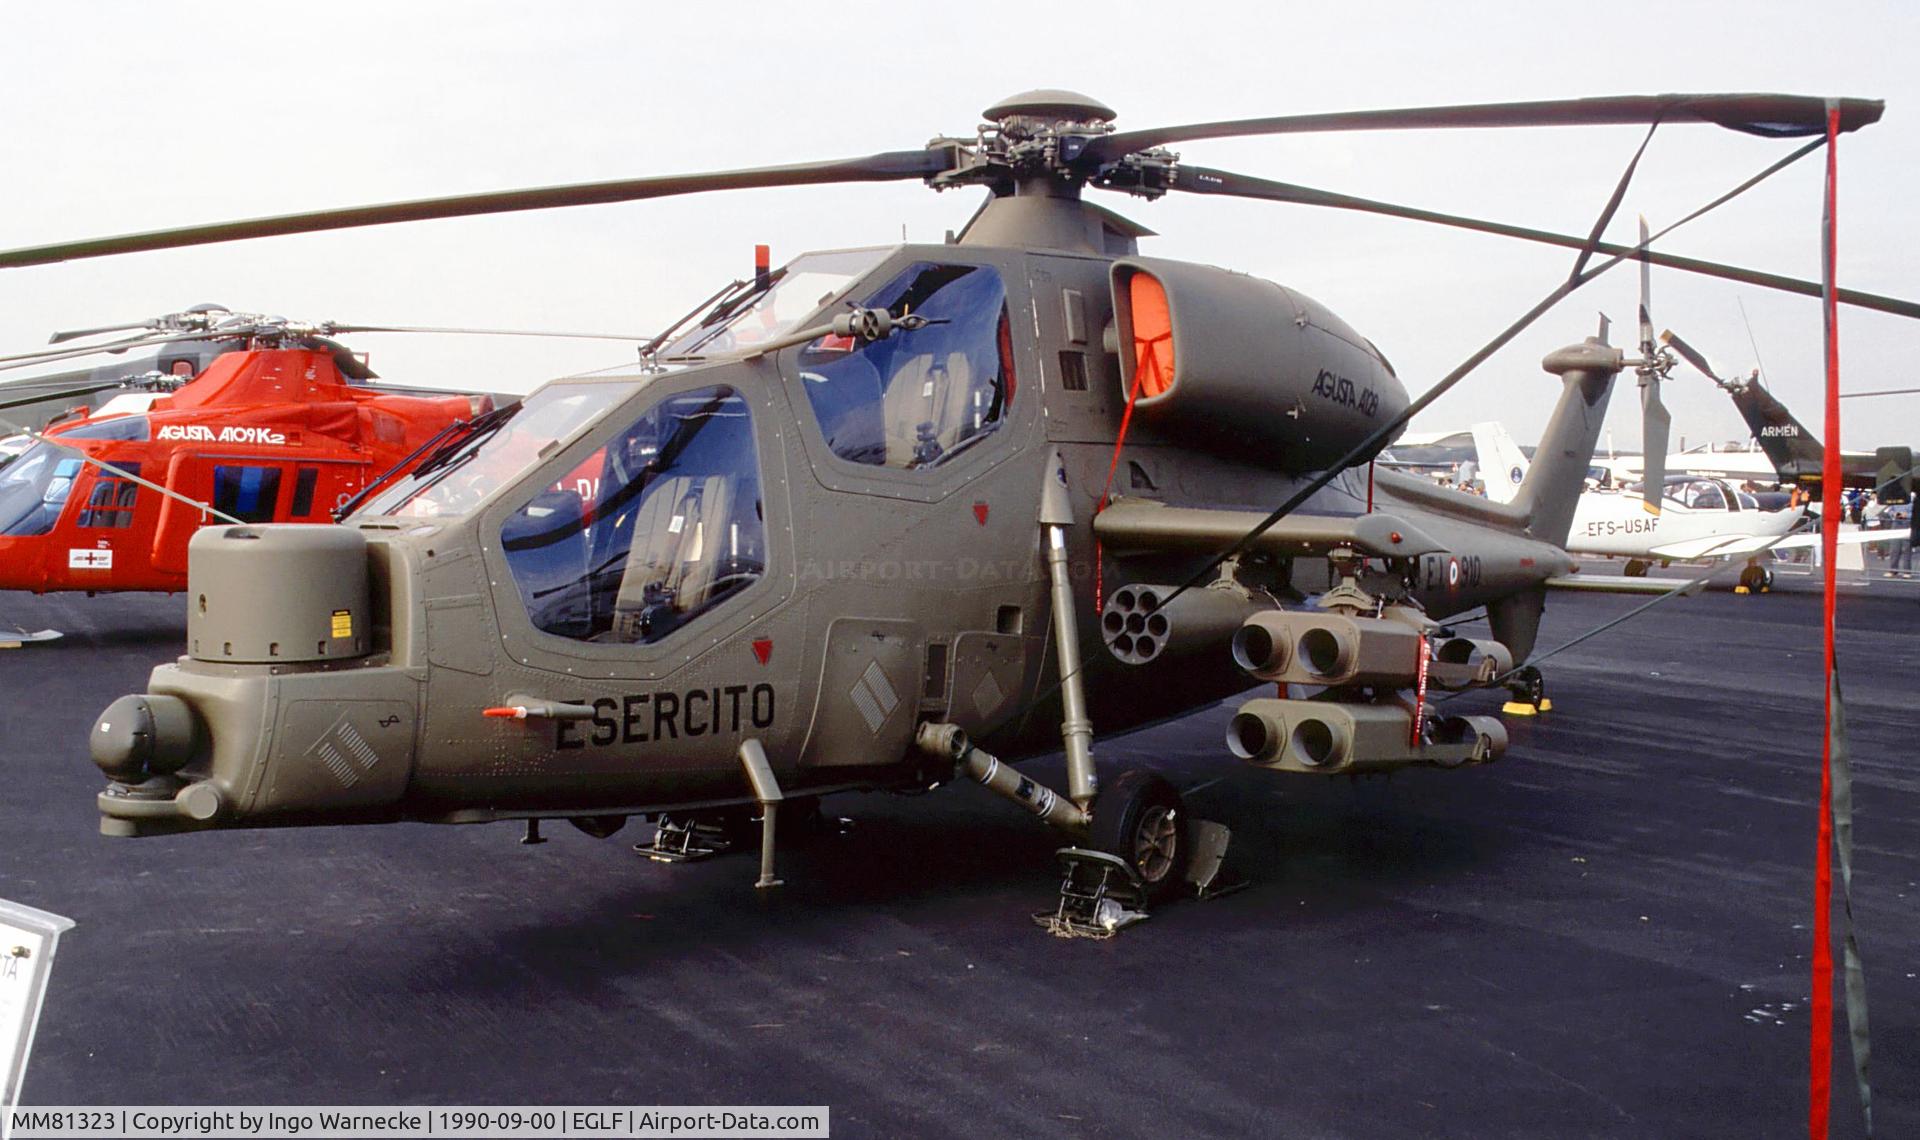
x=1141, y=525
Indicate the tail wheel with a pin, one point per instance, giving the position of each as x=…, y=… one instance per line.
x=1139, y=817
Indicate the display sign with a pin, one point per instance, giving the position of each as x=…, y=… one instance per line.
x=27, y=941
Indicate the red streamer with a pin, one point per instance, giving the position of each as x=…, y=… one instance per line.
x=1821, y=1052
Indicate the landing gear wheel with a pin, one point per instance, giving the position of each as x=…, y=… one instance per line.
x=1139, y=817
x=1529, y=691
x=1636, y=568
x=1757, y=579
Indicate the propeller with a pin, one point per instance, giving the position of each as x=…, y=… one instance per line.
x=1655, y=420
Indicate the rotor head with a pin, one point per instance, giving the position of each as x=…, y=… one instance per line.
x=1043, y=109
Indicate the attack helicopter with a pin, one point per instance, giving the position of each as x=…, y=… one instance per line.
x=889, y=518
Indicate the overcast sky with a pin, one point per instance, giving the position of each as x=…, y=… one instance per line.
x=134, y=116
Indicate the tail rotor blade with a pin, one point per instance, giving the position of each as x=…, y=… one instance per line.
x=1646, y=292
x=1688, y=353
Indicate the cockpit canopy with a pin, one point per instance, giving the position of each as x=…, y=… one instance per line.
x=1700, y=494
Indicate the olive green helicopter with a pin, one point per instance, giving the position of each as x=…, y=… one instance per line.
x=888, y=518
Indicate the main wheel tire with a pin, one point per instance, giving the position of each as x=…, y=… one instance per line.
x=1139, y=817
x=1636, y=568
x=1528, y=685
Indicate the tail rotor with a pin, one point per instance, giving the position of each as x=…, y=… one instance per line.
x=1654, y=364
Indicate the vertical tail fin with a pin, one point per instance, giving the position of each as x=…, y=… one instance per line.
x=1794, y=451
x=1503, y=466
x=1551, y=488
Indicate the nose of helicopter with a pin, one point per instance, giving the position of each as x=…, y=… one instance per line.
x=142, y=742
x=279, y=713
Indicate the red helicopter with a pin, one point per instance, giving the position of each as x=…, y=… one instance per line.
x=272, y=432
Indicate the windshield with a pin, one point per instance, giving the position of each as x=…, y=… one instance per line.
x=499, y=447
x=808, y=283
x=113, y=427
x=34, y=487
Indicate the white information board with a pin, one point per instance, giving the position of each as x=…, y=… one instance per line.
x=28, y=938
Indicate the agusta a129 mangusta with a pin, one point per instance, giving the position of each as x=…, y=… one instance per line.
x=888, y=517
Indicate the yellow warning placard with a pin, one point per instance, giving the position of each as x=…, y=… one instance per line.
x=343, y=623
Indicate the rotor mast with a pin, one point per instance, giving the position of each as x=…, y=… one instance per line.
x=1027, y=153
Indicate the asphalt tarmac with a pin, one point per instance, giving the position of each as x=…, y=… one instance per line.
x=1604, y=934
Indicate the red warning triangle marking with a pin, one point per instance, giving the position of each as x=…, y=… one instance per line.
x=980, y=513
x=763, y=648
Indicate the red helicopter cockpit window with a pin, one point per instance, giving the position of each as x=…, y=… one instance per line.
x=110, y=504
x=672, y=526
x=497, y=448
x=34, y=488
x=920, y=396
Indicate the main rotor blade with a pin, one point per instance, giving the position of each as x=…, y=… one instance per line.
x=337, y=327
x=76, y=334
x=1759, y=114
x=885, y=167
x=64, y=393
x=1204, y=180
x=43, y=355
x=116, y=347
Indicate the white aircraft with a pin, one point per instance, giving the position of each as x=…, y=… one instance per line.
x=1700, y=518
